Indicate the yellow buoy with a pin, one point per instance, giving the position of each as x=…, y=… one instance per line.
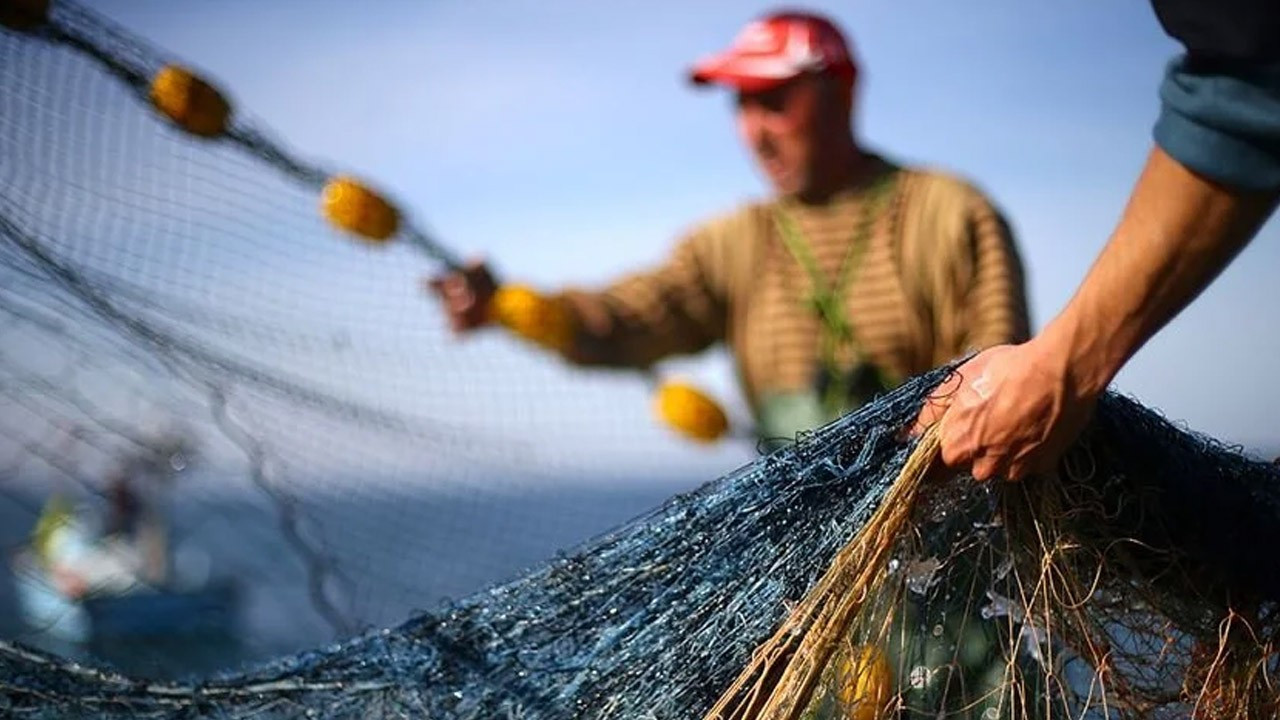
x=691, y=411
x=193, y=104
x=528, y=314
x=23, y=14
x=864, y=683
x=359, y=210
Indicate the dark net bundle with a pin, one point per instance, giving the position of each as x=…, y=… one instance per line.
x=170, y=303
x=1135, y=582
x=1123, y=588
x=653, y=619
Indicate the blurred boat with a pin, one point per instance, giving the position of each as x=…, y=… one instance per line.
x=140, y=612
x=119, y=590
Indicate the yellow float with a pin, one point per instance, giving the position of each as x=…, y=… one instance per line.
x=691, y=412
x=532, y=316
x=191, y=103
x=864, y=683
x=359, y=210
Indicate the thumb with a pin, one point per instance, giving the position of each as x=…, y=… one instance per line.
x=937, y=403
x=934, y=408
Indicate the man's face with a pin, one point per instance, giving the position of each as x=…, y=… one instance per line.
x=785, y=128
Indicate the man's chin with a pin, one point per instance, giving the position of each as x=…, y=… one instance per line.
x=784, y=186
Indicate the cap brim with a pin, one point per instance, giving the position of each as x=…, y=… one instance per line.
x=729, y=70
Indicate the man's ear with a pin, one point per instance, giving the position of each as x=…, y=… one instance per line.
x=839, y=92
x=845, y=90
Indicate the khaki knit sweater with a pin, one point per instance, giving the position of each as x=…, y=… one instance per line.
x=939, y=276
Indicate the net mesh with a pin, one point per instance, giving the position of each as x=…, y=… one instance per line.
x=175, y=308
x=348, y=461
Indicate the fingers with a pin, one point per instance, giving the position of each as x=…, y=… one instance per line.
x=937, y=404
x=472, y=274
x=457, y=293
x=958, y=443
x=455, y=297
x=966, y=401
x=941, y=402
x=963, y=445
x=1018, y=471
x=931, y=412
x=954, y=453
x=985, y=469
x=994, y=461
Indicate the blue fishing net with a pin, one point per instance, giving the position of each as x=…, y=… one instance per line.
x=652, y=620
x=1152, y=588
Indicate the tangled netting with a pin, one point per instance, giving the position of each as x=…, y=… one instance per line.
x=1138, y=584
x=346, y=461
x=144, y=272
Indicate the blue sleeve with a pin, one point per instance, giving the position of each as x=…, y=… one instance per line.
x=1220, y=101
x=1222, y=120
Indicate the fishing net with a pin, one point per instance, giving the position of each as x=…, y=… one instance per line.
x=152, y=310
x=177, y=302
x=833, y=579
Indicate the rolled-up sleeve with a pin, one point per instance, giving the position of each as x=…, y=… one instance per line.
x=1220, y=100
x=1223, y=123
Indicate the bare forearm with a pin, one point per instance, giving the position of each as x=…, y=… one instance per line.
x=1178, y=232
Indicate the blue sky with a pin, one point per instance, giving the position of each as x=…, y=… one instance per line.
x=559, y=139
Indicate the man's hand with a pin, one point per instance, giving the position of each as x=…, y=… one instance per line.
x=1009, y=411
x=1014, y=409
x=465, y=295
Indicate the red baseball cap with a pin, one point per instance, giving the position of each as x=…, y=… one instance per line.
x=774, y=49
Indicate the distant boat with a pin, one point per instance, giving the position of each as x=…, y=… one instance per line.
x=94, y=598
x=138, y=612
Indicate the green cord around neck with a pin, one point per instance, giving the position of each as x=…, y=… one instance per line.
x=829, y=301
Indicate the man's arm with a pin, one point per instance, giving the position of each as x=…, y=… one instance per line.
x=633, y=322
x=676, y=308
x=1179, y=231
x=1013, y=410
x=1207, y=187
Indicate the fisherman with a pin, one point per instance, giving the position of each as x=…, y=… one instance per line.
x=856, y=274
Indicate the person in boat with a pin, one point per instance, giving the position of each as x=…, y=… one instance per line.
x=113, y=553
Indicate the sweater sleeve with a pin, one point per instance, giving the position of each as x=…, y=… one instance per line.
x=678, y=307
x=992, y=296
